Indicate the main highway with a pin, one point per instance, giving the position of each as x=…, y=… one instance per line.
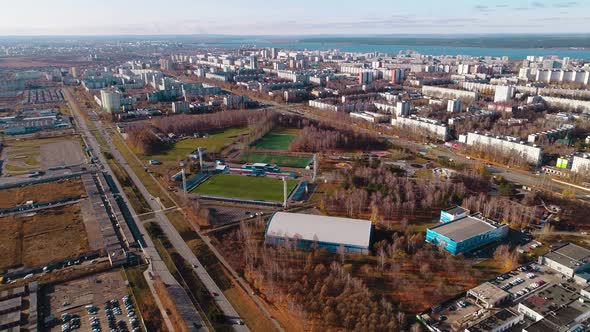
x=173, y=236
x=157, y=267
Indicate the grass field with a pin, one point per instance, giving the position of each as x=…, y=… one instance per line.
x=283, y=161
x=213, y=143
x=245, y=187
x=277, y=139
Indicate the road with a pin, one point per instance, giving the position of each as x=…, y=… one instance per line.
x=175, y=239
x=156, y=266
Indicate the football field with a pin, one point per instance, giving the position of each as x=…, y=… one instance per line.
x=245, y=187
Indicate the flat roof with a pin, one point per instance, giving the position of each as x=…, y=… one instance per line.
x=550, y=299
x=489, y=292
x=464, y=228
x=569, y=255
x=494, y=321
x=347, y=231
x=456, y=210
x=542, y=326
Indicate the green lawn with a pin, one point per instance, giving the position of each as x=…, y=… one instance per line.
x=213, y=143
x=283, y=161
x=245, y=187
x=277, y=139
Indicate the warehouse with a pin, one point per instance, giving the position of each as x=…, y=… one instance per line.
x=570, y=260
x=330, y=233
x=466, y=234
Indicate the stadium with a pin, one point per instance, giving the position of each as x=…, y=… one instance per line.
x=329, y=233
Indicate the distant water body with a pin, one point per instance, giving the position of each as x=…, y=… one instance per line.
x=512, y=53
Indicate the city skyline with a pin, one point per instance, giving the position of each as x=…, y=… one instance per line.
x=64, y=17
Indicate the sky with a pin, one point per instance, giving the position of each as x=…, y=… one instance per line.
x=301, y=17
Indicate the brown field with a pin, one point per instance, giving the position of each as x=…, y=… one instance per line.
x=47, y=236
x=43, y=192
x=34, y=62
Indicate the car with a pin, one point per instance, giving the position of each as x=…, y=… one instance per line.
x=195, y=266
x=214, y=293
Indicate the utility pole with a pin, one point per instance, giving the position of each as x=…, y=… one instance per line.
x=200, y=158
x=183, y=178
x=315, y=167
x=285, y=192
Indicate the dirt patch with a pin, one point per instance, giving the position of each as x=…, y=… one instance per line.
x=35, y=62
x=43, y=237
x=43, y=192
x=63, y=153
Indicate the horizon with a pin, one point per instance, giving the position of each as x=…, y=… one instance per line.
x=255, y=18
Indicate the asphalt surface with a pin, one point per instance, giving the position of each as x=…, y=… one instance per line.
x=156, y=266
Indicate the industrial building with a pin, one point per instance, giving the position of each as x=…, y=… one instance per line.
x=532, y=153
x=370, y=116
x=453, y=213
x=466, y=234
x=570, y=260
x=329, y=233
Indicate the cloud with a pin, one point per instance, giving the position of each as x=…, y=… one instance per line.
x=482, y=8
x=568, y=4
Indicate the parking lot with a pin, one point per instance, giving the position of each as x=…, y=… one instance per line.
x=519, y=283
x=527, y=279
x=96, y=303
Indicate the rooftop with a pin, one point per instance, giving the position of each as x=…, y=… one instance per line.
x=550, y=299
x=494, y=321
x=569, y=255
x=489, y=292
x=353, y=232
x=456, y=210
x=465, y=228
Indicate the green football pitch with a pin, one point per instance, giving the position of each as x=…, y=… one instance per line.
x=245, y=187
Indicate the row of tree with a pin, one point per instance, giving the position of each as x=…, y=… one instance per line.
x=386, y=195
x=317, y=139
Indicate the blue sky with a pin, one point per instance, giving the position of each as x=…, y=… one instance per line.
x=301, y=17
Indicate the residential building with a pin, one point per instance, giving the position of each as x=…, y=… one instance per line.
x=532, y=153
x=180, y=107
x=454, y=106
x=110, y=100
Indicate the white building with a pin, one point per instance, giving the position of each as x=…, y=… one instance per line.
x=581, y=164
x=370, y=116
x=504, y=93
x=434, y=91
x=532, y=153
x=330, y=233
x=433, y=127
x=110, y=100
